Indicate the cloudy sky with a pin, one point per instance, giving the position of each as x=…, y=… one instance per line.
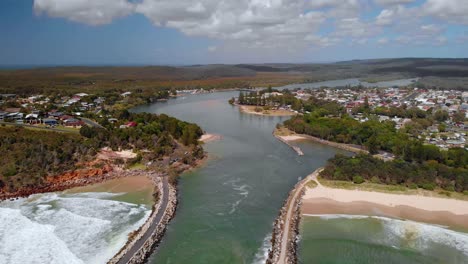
x=228, y=31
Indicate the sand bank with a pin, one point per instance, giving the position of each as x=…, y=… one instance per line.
x=250, y=109
x=210, y=137
x=324, y=200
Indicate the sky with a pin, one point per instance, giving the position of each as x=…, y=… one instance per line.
x=184, y=32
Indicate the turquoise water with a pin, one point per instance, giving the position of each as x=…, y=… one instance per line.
x=354, y=239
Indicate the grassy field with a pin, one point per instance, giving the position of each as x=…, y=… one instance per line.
x=63, y=129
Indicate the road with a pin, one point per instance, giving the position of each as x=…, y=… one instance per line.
x=156, y=220
x=296, y=195
x=57, y=129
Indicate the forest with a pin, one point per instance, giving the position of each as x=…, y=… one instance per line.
x=427, y=175
x=34, y=154
x=154, y=133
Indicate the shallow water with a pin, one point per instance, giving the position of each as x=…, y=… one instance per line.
x=362, y=239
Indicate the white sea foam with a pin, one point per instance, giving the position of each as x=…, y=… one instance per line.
x=419, y=236
x=422, y=236
x=66, y=228
x=337, y=216
x=262, y=254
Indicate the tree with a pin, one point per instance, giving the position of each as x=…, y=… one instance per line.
x=241, y=98
x=441, y=115
x=442, y=127
x=459, y=117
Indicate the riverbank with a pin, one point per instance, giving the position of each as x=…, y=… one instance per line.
x=435, y=210
x=288, y=135
x=205, y=138
x=251, y=109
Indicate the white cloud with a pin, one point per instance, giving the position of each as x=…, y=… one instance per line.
x=454, y=11
x=355, y=28
x=393, y=2
x=91, y=12
x=382, y=41
x=277, y=24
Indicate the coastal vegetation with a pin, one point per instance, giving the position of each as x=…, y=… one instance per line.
x=329, y=123
x=33, y=154
x=428, y=175
x=413, y=165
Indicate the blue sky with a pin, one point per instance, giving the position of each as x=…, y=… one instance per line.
x=84, y=32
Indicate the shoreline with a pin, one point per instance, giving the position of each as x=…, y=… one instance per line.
x=250, y=109
x=205, y=138
x=289, y=135
x=434, y=210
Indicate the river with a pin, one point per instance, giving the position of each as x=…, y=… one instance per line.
x=227, y=207
x=349, y=82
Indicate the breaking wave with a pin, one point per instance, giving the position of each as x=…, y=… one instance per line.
x=66, y=228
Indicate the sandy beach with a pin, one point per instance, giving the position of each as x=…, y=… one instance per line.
x=250, y=109
x=209, y=137
x=289, y=135
x=325, y=200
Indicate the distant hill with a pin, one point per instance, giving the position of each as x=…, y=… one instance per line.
x=434, y=72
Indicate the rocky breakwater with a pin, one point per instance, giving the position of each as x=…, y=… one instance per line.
x=143, y=241
x=286, y=226
x=295, y=148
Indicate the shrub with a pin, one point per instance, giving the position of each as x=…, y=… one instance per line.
x=448, y=194
x=375, y=180
x=428, y=186
x=358, y=179
x=413, y=186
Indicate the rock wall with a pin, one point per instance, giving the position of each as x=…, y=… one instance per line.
x=155, y=238
x=295, y=148
x=347, y=147
x=279, y=227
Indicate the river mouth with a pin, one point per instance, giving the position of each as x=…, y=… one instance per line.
x=227, y=207
x=82, y=225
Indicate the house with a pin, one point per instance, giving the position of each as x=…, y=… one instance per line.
x=80, y=95
x=49, y=121
x=55, y=114
x=13, y=110
x=126, y=94
x=72, y=122
x=131, y=124
x=32, y=118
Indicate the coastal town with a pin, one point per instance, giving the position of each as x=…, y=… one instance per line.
x=447, y=127
x=446, y=111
